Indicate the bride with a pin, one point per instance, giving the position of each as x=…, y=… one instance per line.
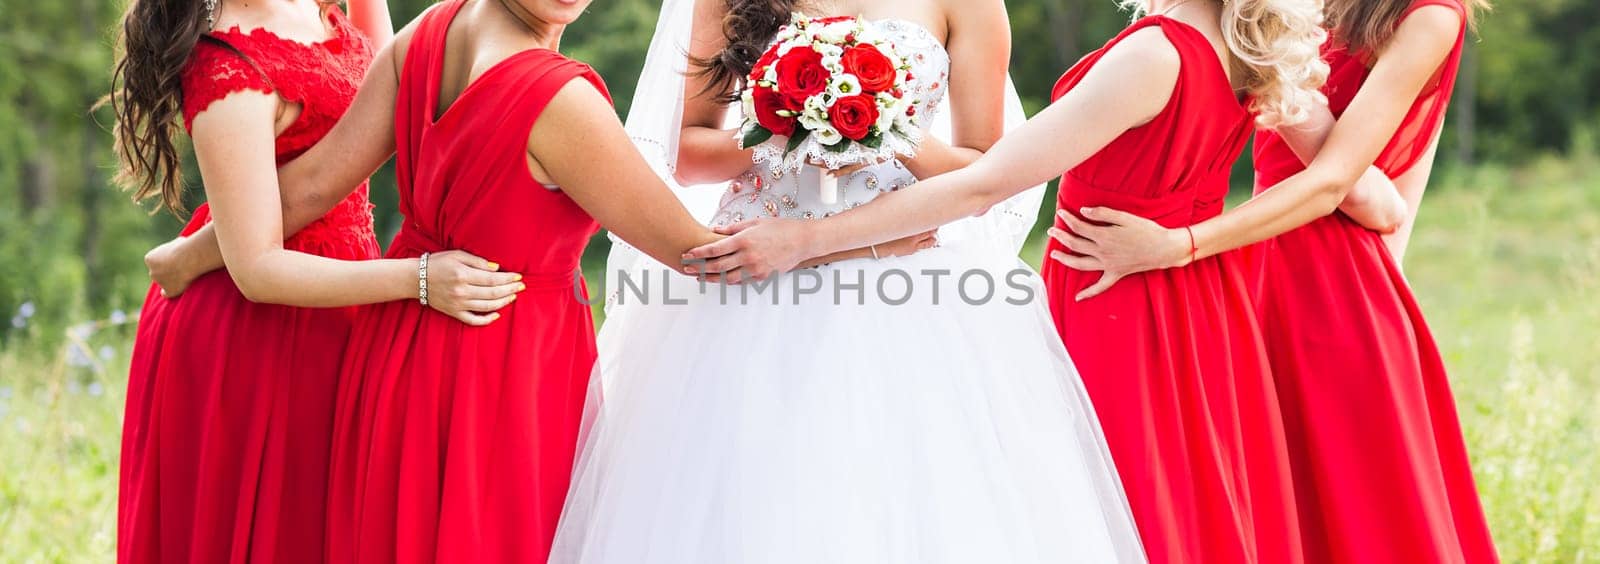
x=906, y=402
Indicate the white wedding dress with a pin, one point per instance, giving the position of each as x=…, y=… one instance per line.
x=912, y=425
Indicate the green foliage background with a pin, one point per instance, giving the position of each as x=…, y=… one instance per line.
x=1505, y=263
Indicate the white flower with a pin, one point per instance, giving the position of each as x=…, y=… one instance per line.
x=826, y=134
x=888, y=108
x=827, y=50
x=817, y=106
x=748, y=100
x=834, y=63
x=813, y=119
x=843, y=85
x=837, y=32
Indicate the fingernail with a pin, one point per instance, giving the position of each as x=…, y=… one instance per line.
x=690, y=270
x=1085, y=211
x=494, y=266
x=521, y=287
x=516, y=278
x=494, y=317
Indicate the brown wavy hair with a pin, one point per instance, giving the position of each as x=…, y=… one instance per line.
x=156, y=40
x=749, y=27
x=1369, y=24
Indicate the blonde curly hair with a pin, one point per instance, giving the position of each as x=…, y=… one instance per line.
x=1277, y=43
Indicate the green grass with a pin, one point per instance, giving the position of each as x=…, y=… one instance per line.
x=1505, y=263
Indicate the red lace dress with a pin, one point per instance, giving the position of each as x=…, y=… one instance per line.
x=230, y=403
x=456, y=443
x=1380, y=466
x=1173, y=359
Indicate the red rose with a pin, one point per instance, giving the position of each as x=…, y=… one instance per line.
x=801, y=75
x=869, y=65
x=833, y=19
x=853, y=116
x=759, y=71
x=768, y=102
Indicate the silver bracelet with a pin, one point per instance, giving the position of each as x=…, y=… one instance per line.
x=874, y=252
x=422, y=279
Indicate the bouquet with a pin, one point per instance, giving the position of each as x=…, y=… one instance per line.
x=830, y=91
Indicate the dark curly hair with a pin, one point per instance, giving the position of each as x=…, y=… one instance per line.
x=749, y=27
x=156, y=40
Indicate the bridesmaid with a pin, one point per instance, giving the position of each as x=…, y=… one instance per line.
x=230, y=398
x=456, y=443
x=1381, y=469
x=1174, y=362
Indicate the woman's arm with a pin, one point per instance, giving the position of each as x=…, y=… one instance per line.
x=1128, y=244
x=707, y=152
x=579, y=142
x=318, y=180
x=1126, y=89
x=234, y=141
x=372, y=18
x=979, y=43
x=1374, y=202
x=312, y=184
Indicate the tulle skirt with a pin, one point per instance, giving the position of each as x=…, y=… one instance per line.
x=895, y=414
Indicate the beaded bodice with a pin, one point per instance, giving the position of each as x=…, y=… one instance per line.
x=767, y=191
x=321, y=78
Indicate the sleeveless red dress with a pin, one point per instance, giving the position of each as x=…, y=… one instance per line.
x=454, y=443
x=1173, y=359
x=230, y=403
x=1380, y=466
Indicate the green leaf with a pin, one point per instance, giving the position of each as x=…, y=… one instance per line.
x=795, y=140
x=755, y=135
x=874, y=140
x=839, y=147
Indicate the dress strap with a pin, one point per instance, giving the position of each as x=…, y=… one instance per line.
x=425, y=66
x=1452, y=4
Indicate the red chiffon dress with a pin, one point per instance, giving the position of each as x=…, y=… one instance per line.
x=230, y=403
x=454, y=443
x=1173, y=359
x=1381, y=470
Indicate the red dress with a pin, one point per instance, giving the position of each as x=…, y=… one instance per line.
x=230, y=403
x=1380, y=466
x=453, y=443
x=1173, y=359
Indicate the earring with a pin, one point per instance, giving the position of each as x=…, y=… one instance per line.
x=211, y=14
